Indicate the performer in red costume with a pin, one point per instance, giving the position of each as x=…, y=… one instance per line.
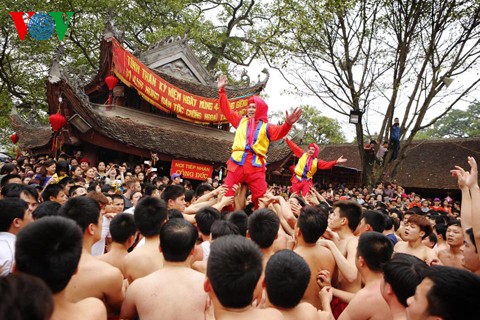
x=252, y=138
x=307, y=166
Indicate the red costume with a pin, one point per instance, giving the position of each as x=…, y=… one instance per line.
x=252, y=138
x=306, y=167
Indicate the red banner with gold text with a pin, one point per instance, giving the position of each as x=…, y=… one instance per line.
x=166, y=96
x=191, y=170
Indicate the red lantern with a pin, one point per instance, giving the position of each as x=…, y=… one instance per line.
x=14, y=138
x=111, y=82
x=57, y=121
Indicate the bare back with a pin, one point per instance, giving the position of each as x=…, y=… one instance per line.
x=318, y=258
x=142, y=262
x=174, y=293
x=303, y=311
x=367, y=304
x=115, y=258
x=96, y=279
x=89, y=308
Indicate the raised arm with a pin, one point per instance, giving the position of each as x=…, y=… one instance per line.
x=277, y=132
x=472, y=184
x=297, y=151
x=232, y=117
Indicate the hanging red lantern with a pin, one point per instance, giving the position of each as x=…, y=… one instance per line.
x=57, y=121
x=14, y=138
x=111, y=82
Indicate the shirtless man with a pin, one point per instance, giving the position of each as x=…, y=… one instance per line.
x=311, y=224
x=401, y=276
x=453, y=256
x=344, y=221
x=233, y=270
x=122, y=230
x=417, y=228
x=374, y=249
x=284, y=293
x=150, y=214
x=175, y=291
x=263, y=226
x=94, y=278
x=50, y=249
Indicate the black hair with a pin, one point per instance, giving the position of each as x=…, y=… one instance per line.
x=189, y=194
x=11, y=209
x=46, y=208
x=454, y=294
x=177, y=239
x=7, y=168
x=312, y=222
x=25, y=297
x=205, y=218
x=149, y=188
x=202, y=188
x=404, y=272
x=83, y=210
x=375, y=248
x=52, y=190
x=263, y=227
x=7, y=177
x=62, y=166
x=441, y=229
x=50, y=249
x=172, y=192
x=174, y=214
x=222, y=228
x=375, y=219
x=150, y=213
x=240, y=219
x=107, y=187
x=350, y=210
x=286, y=277
x=234, y=268
x=469, y=233
x=122, y=227
x=64, y=181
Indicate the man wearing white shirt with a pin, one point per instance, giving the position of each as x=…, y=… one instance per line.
x=14, y=215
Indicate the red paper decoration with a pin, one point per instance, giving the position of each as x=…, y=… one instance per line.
x=14, y=138
x=57, y=121
x=111, y=82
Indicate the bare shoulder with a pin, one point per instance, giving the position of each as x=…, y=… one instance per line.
x=400, y=245
x=306, y=311
x=92, y=308
x=270, y=314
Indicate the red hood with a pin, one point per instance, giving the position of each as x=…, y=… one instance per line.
x=316, y=147
x=261, y=112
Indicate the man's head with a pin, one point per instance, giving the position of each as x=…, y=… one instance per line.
x=46, y=208
x=374, y=250
x=312, y=223
x=177, y=240
x=401, y=275
x=14, y=215
x=396, y=121
x=10, y=178
x=174, y=196
x=417, y=226
x=150, y=214
x=263, y=225
x=176, y=178
x=372, y=220
x=133, y=185
x=86, y=213
x=345, y=213
x=240, y=219
x=77, y=191
x=313, y=150
x=257, y=108
x=233, y=270
x=286, y=279
x=205, y=218
x=123, y=228
x=446, y=293
x=50, y=249
x=54, y=192
x=118, y=203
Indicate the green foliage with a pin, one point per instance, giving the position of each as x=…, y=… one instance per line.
x=456, y=124
x=314, y=127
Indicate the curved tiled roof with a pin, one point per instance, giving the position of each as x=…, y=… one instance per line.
x=30, y=137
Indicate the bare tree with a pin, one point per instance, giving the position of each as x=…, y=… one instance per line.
x=395, y=58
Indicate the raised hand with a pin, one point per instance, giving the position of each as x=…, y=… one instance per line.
x=472, y=179
x=221, y=82
x=341, y=160
x=293, y=117
x=461, y=175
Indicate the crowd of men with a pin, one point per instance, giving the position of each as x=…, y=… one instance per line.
x=111, y=240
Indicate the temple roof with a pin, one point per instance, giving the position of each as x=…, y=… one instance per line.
x=171, y=137
x=427, y=163
x=30, y=137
